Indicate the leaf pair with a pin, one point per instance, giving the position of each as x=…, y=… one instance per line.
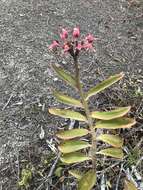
x=106, y=123
x=98, y=88
x=75, y=157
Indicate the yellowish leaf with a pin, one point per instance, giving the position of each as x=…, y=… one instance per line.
x=73, y=133
x=103, y=85
x=129, y=185
x=67, y=99
x=108, y=115
x=113, y=140
x=87, y=181
x=65, y=76
x=116, y=123
x=113, y=152
x=68, y=114
x=72, y=146
x=74, y=157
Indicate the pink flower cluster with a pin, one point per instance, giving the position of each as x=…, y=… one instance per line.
x=73, y=45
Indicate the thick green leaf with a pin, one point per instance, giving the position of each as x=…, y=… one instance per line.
x=67, y=100
x=75, y=173
x=58, y=171
x=74, y=157
x=87, y=181
x=113, y=140
x=73, y=133
x=103, y=85
x=72, y=146
x=68, y=114
x=129, y=185
x=116, y=123
x=65, y=76
x=113, y=152
x=119, y=112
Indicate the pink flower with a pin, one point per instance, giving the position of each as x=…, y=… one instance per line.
x=79, y=46
x=54, y=45
x=64, y=34
x=76, y=32
x=66, y=47
x=87, y=46
x=89, y=38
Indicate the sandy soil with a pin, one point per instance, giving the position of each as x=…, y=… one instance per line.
x=27, y=27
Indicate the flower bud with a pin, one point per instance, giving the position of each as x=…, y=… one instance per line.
x=76, y=32
x=64, y=34
x=66, y=47
x=79, y=46
x=89, y=38
x=54, y=45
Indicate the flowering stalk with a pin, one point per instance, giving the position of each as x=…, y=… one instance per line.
x=74, y=47
x=87, y=112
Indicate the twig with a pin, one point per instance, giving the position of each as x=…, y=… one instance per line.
x=54, y=165
x=7, y=102
x=18, y=167
x=117, y=184
x=106, y=169
x=52, y=147
x=103, y=186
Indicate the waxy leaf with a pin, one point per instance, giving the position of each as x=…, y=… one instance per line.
x=129, y=185
x=113, y=152
x=75, y=173
x=68, y=114
x=74, y=157
x=119, y=112
x=87, y=181
x=116, y=123
x=58, y=171
x=113, y=140
x=67, y=100
x=73, y=133
x=103, y=85
x=72, y=146
x=65, y=76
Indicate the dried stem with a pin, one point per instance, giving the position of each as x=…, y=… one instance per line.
x=87, y=112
